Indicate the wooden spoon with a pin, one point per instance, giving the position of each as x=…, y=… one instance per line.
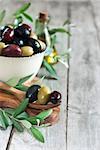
x=52, y=119
x=8, y=100
x=43, y=107
x=19, y=94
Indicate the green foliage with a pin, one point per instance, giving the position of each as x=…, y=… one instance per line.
x=21, y=107
x=37, y=134
x=20, y=119
x=2, y=15
x=22, y=9
x=50, y=69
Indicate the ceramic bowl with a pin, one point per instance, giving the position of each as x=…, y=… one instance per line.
x=19, y=67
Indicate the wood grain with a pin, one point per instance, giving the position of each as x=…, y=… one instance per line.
x=84, y=82
x=95, y=10
x=83, y=125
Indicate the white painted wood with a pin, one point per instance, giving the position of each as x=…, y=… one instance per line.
x=84, y=83
x=4, y=136
x=55, y=136
x=95, y=9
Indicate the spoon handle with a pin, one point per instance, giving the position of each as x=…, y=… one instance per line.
x=19, y=94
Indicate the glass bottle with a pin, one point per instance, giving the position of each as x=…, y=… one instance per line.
x=41, y=28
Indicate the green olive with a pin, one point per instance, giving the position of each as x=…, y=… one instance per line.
x=2, y=45
x=43, y=95
x=27, y=51
x=33, y=35
x=43, y=46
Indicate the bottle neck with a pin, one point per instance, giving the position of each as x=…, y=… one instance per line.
x=40, y=26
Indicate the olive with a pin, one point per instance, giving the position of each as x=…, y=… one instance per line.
x=23, y=30
x=43, y=95
x=55, y=97
x=2, y=45
x=34, y=44
x=32, y=93
x=19, y=41
x=27, y=51
x=43, y=46
x=11, y=50
x=8, y=35
x=2, y=29
x=33, y=35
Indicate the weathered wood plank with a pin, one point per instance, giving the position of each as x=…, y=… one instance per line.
x=95, y=10
x=84, y=83
x=56, y=135
x=4, y=136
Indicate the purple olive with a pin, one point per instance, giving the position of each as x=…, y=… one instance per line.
x=11, y=50
x=55, y=97
x=19, y=41
x=8, y=35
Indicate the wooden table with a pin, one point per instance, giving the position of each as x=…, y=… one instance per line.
x=79, y=124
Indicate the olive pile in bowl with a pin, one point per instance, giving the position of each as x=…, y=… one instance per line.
x=19, y=41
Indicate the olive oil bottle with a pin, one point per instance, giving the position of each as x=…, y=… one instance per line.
x=42, y=31
x=41, y=28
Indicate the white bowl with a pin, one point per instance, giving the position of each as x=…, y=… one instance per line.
x=19, y=67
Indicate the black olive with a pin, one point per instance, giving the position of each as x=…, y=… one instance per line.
x=55, y=97
x=34, y=44
x=19, y=41
x=32, y=93
x=23, y=30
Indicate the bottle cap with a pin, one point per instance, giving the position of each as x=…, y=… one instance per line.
x=43, y=16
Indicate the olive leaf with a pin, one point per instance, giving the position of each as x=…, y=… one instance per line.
x=28, y=17
x=2, y=15
x=50, y=69
x=23, y=115
x=59, y=30
x=9, y=111
x=26, y=124
x=65, y=63
x=32, y=120
x=17, y=125
x=22, y=80
x=21, y=87
x=18, y=20
x=53, y=40
x=7, y=119
x=13, y=81
x=66, y=22
x=22, y=9
x=2, y=121
x=37, y=134
x=21, y=107
x=43, y=115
